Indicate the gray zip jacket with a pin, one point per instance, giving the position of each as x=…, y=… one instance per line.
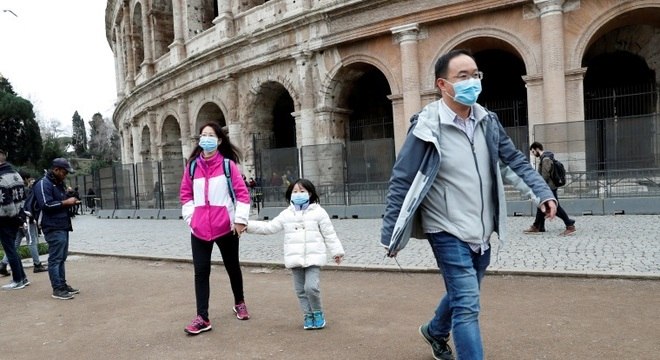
x=417, y=166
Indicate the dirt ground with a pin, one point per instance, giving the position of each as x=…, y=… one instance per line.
x=137, y=309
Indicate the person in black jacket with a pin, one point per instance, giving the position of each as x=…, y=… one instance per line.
x=56, y=224
x=12, y=217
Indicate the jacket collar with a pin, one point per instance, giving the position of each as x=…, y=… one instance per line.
x=427, y=122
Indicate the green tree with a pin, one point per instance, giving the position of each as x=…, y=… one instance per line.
x=20, y=135
x=79, y=138
x=103, y=140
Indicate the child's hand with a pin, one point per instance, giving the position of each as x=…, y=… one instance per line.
x=338, y=259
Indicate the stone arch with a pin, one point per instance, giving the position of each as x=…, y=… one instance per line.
x=136, y=35
x=208, y=112
x=330, y=84
x=273, y=101
x=163, y=26
x=359, y=92
x=511, y=42
x=606, y=22
x=620, y=87
x=171, y=139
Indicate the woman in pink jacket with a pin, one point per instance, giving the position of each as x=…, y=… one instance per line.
x=216, y=206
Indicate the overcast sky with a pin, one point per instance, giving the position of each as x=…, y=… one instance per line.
x=56, y=55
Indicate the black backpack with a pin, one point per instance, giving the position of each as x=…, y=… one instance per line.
x=558, y=173
x=31, y=206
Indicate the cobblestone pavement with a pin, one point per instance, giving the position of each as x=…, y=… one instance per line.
x=618, y=246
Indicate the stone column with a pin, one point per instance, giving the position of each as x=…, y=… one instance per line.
x=552, y=40
x=224, y=23
x=137, y=141
x=120, y=75
x=305, y=124
x=128, y=41
x=178, y=46
x=126, y=155
x=152, y=117
x=576, y=138
x=148, y=40
x=407, y=37
x=184, y=123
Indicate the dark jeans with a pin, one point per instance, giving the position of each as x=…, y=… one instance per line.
x=539, y=221
x=8, y=240
x=201, y=253
x=458, y=311
x=58, y=249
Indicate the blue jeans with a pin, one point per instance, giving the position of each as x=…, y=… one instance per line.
x=462, y=270
x=32, y=241
x=8, y=238
x=58, y=249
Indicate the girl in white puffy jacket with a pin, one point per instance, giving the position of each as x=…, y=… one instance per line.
x=308, y=232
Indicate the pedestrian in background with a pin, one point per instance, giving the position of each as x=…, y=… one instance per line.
x=29, y=232
x=56, y=224
x=308, y=232
x=12, y=217
x=217, y=210
x=446, y=186
x=545, y=169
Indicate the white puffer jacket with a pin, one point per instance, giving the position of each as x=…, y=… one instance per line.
x=307, y=234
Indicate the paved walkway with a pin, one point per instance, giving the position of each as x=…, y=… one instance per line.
x=607, y=246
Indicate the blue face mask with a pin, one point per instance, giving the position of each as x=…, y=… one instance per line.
x=467, y=91
x=299, y=198
x=208, y=143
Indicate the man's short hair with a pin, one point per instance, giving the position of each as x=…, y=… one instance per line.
x=443, y=62
x=536, y=146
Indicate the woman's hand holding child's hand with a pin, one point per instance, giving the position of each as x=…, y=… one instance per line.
x=239, y=229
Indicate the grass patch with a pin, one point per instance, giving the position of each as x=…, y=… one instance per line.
x=24, y=250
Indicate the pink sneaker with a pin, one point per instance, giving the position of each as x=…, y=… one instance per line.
x=241, y=311
x=198, y=325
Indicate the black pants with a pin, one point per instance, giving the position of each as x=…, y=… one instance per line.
x=539, y=222
x=201, y=253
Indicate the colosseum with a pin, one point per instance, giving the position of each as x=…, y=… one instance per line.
x=324, y=89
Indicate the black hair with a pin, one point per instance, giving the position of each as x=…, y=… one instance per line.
x=225, y=147
x=443, y=62
x=313, y=196
x=536, y=145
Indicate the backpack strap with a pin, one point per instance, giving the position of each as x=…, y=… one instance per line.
x=228, y=177
x=191, y=168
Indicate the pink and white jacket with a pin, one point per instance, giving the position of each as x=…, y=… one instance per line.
x=206, y=201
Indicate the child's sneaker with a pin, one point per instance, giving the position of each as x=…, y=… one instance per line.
x=309, y=321
x=319, y=320
x=197, y=326
x=241, y=311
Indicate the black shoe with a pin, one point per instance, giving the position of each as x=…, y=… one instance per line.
x=72, y=290
x=39, y=268
x=62, y=294
x=440, y=348
x=4, y=271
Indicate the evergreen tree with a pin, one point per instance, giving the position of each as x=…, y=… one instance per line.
x=102, y=142
x=79, y=137
x=20, y=135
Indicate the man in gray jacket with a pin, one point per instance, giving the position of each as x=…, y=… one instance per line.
x=447, y=186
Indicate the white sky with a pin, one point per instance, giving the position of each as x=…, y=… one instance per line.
x=56, y=55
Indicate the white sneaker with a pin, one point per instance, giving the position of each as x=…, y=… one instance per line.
x=16, y=285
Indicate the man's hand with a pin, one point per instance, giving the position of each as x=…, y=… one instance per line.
x=549, y=208
x=70, y=201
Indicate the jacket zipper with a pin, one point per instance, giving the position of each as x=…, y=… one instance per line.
x=481, y=186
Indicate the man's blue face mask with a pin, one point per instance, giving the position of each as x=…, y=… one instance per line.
x=467, y=91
